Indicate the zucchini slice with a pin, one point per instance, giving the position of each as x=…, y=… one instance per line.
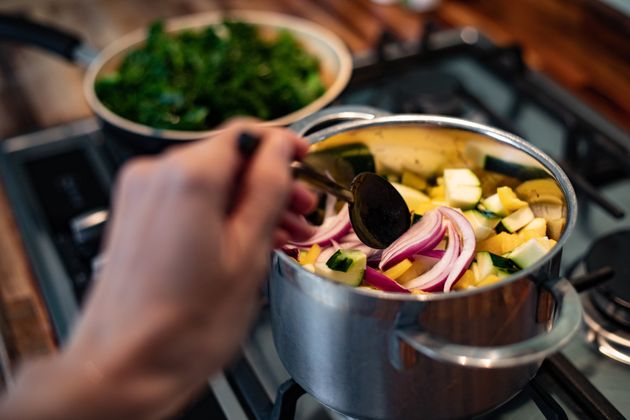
x=461, y=188
x=518, y=219
x=516, y=170
x=344, y=266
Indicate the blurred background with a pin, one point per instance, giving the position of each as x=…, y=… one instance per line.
x=583, y=44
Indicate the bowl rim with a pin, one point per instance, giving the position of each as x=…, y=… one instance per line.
x=200, y=20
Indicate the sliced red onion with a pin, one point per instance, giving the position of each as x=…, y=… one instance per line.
x=333, y=228
x=467, y=252
x=434, y=253
x=434, y=279
x=328, y=252
x=352, y=241
x=379, y=280
x=424, y=235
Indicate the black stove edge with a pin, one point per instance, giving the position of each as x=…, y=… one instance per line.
x=43, y=258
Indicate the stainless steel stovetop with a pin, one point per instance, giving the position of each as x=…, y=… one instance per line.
x=56, y=175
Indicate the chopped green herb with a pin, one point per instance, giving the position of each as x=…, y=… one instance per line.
x=194, y=80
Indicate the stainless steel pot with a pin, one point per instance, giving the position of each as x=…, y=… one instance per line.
x=382, y=355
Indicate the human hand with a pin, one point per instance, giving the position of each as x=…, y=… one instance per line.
x=187, y=249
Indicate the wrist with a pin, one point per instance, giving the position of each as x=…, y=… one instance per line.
x=48, y=388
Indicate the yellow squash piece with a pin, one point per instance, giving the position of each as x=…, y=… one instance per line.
x=554, y=228
x=437, y=193
x=420, y=265
x=490, y=181
x=412, y=180
x=398, y=270
x=505, y=242
x=509, y=200
x=546, y=242
x=419, y=292
x=422, y=208
x=540, y=191
x=414, y=199
x=491, y=279
x=465, y=281
x=537, y=227
x=499, y=244
x=310, y=256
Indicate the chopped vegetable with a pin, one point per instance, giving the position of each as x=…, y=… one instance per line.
x=466, y=280
x=345, y=266
x=310, y=257
x=538, y=226
x=412, y=180
x=399, y=269
x=332, y=229
x=194, y=80
x=437, y=193
x=513, y=169
x=424, y=235
x=518, y=219
x=450, y=246
x=554, y=228
x=491, y=279
x=379, y=280
x=509, y=200
x=483, y=223
x=461, y=188
x=485, y=267
x=530, y=252
x=503, y=265
x=494, y=205
x=416, y=201
x=540, y=191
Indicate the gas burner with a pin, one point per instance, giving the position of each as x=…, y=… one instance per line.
x=607, y=307
x=613, y=297
x=604, y=334
x=433, y=92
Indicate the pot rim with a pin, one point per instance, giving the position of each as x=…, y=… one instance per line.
x=200, y=20
x=495, y=134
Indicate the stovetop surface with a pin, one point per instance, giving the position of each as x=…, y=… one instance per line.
x=54, y=175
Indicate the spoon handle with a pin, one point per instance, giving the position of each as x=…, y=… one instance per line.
x=312, y=176
x=247, y=145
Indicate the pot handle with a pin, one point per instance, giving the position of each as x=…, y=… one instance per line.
x=567, y=321
x=334, y=115
x=17, y=28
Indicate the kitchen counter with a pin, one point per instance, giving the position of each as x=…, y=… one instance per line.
x=580, y=45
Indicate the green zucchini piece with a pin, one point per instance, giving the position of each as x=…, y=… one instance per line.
x=518, y=219
x=503, y=264
x=528, y=253
x=461, y=188
x=484, y=265
x=516, y=170
x=494, y=205
x=482, y=224
x=344, y=266
x=339, y=261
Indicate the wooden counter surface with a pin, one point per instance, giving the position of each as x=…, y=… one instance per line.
x=582, y=45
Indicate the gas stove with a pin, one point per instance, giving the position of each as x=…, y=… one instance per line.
x=59, y=179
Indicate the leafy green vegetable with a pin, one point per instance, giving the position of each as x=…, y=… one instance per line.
x=196, y=80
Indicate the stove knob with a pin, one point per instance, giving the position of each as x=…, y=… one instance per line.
x=87, y=230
